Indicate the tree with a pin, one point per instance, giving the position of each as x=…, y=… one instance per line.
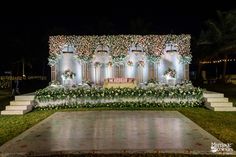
x=219, y=38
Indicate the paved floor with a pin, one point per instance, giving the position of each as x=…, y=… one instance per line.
x=111, y=132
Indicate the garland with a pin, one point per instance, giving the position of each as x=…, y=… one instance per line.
x=53, y=59
x=185, y=59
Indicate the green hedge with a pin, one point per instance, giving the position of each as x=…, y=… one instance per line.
x=52, y=93
x=115, y=105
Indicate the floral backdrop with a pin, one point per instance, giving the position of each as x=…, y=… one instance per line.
x=153, y=45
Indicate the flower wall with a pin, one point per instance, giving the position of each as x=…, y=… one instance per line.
x=153, y=45
x=82, y=55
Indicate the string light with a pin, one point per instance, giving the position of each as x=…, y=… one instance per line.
x=218, y=61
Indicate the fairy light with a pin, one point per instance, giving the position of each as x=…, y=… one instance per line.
x=218, y=61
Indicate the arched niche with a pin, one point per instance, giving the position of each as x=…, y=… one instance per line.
x=136, y=65
x=67, y=63
x=101, y=64
x=170, y=59
x=171, y=46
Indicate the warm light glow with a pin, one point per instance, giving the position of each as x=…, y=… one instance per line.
x=118, y=44
x=218, y=61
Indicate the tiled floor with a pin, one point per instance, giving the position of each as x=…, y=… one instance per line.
x=112, y=132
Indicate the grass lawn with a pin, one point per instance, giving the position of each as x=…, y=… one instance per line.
x=5, y=97
x=220, y=124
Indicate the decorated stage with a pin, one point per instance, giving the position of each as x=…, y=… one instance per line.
x=119, y=71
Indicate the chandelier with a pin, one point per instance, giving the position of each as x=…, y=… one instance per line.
x=136, y=50
x=171, y=46
x=102, y=50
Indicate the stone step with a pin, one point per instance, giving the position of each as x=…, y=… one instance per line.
x=14, y=112
x=24, y=97
x=213, y=95
x=19, y=107
x=216, y=104
x=221, y=108
x=21, y=102
x=217, y=99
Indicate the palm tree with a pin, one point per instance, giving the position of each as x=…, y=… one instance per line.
x=219, y=37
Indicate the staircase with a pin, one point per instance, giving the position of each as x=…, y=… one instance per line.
x=21, y=105
x=217, y=102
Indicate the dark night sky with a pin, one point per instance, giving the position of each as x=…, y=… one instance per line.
x=26, y=34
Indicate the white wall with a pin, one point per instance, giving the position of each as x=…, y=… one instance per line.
x=171, y=60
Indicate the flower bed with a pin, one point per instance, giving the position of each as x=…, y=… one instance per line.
x=51, y=96
x=115, y=105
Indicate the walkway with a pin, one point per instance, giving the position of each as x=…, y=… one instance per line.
x=111, y=132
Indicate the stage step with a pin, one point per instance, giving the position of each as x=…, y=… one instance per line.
x=13, y=112
x=213, y=95
x=24, y=97
x=217, y=102
x=21, y=102
x=21, y=105
x=216, y=99
x=221, y=108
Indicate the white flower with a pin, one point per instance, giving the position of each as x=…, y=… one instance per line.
x=68, y=74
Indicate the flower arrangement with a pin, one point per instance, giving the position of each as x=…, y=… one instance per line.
x=124, y=105
x=68, y=74
x=185, y=59
x=83, y=57
x=170, y=72
x=54, y=83
x=119, y=58
x=119, y=44
x=53, y=59
x=141, y=63
x=97, y=64
x=151, y=96
x=153, y=58
x=130, y=63
x=109, y=64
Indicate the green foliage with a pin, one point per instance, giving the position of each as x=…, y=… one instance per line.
x=153, y=58
x=125, y=105
x=220, y=34
x=53, y=59
x=160, y=93
x=11, y=126
x=219, y=124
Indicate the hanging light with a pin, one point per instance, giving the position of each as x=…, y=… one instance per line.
x=171, y=47
x=136, y=50
x=68, y=48
x=102, y=50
